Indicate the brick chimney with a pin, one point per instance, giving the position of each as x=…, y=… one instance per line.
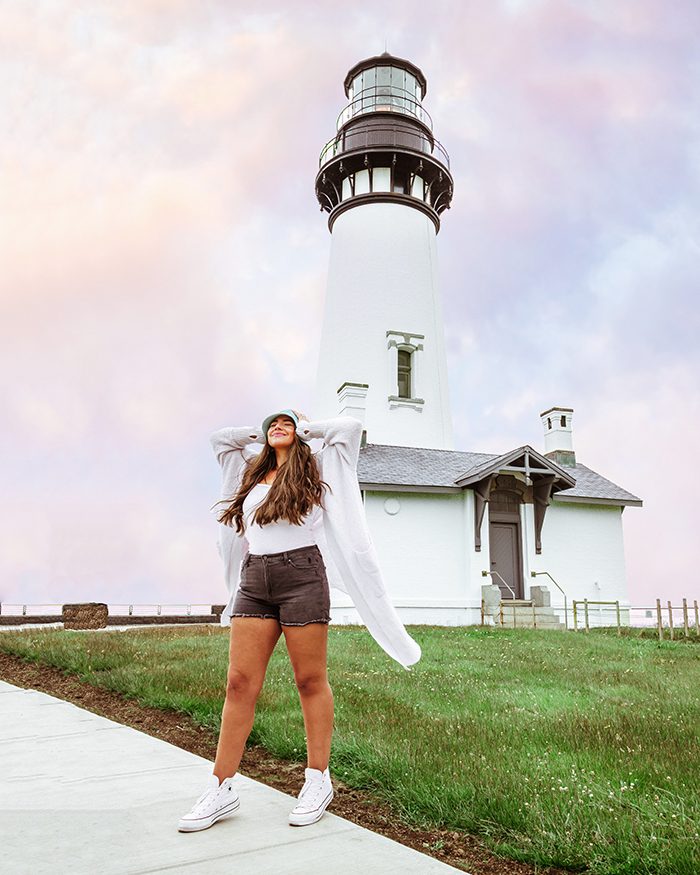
x=558, y=443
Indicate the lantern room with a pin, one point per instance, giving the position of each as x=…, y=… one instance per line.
x=384, y=149
x=385, y=84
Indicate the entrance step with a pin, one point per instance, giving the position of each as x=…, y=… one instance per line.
x=520, y=614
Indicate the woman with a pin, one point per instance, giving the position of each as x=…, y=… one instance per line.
x=292, y=517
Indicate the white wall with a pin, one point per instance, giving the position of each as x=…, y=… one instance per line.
x=383, y=276
x=421, y=548
x=434, y=574
x=582, y=548
x=426, y=554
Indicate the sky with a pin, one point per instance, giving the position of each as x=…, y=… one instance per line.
x=163, y=259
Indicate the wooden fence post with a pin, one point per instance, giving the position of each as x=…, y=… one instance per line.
x=685, y=618
x=617, y=607
x=585, y=607
x=482, y=612
x=697, y=618
x=659, y=620
x=670, y=619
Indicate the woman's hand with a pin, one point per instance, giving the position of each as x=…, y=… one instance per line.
x=302, y=417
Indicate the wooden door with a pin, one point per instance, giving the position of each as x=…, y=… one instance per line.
x=505, y=543
x=505, y=558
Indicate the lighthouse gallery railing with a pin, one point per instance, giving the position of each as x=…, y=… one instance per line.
x=379, y=133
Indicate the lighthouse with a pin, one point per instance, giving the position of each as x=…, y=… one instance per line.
x=385, y=182
x=459, y=534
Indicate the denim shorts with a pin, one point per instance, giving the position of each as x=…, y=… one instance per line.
x=289, y=587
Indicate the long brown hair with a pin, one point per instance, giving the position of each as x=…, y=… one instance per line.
x=294, y=492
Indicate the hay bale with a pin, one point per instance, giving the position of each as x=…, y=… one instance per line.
x=90, y=615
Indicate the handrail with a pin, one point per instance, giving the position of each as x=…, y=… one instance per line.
x=378, y=98
x=424, y=143
x=484, y=573
x=566, y=613
x=501, y=602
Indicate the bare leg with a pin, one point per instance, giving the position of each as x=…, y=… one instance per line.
x=307, y=646
x=252, y=643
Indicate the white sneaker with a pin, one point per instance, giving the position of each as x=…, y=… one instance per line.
x=314, y=798
x=216, y=802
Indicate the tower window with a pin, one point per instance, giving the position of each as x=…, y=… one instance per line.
x=563, y=422
x=406, y=368
x=400, y=181
x=404, y=375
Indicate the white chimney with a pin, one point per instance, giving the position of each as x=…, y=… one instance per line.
x=352, y=400
x=558, y=442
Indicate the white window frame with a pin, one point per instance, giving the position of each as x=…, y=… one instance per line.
x=411, y=344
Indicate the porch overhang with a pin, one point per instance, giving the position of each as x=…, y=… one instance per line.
x=545, y=477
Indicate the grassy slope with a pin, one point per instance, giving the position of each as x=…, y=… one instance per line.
x=570, y=749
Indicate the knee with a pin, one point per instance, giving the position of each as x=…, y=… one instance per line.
x=311, y=684
x=238, y=685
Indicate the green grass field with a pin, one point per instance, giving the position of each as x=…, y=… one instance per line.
x=567, y=749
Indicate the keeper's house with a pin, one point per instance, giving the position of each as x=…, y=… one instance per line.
x=447, y=524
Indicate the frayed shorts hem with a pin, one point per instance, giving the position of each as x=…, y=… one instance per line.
x=272, y=617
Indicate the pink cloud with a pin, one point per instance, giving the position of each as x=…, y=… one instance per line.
x=163, y=260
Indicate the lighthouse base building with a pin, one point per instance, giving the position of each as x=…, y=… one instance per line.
x=462, y=537
x=466, y=538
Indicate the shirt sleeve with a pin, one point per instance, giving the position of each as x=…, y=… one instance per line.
x=234, y=440
x=233, y=449
x=343, y=434
x=348, y=536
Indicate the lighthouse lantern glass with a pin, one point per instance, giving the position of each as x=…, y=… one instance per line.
x=384, y=93
x=385, y=88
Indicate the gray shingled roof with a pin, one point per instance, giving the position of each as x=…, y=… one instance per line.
x=593, y=486
x=387, y=466
x=413, y=466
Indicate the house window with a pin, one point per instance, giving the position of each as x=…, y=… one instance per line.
x=404, y=375
x=504, y=502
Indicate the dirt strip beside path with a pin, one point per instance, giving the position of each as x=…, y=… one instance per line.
x=455, y=848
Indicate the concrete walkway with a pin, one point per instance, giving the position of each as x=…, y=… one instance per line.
x=82, y=794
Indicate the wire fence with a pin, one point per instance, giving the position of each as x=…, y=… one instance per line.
x=122, y=610
x=98, y=615
x=670, y=621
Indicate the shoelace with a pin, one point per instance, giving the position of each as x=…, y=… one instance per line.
x=310, y=793
x=206, y=799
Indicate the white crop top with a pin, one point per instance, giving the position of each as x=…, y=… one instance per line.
x=279, y=536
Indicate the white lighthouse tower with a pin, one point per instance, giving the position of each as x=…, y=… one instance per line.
x=385, y=180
